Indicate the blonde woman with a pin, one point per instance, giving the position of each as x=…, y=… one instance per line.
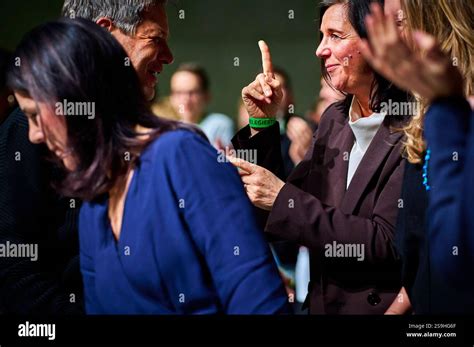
x=419, y=67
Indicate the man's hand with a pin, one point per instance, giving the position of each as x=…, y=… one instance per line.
x=261, y=185
x=263, y=96
x=423, y=69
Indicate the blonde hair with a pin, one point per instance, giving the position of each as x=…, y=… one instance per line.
x=451, y=23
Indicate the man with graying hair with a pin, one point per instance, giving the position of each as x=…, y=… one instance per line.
x=30, y=211
x=141, y=27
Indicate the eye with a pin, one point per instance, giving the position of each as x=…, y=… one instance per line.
x=334, y=37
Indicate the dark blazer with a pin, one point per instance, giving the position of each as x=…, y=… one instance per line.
x=449, y=131
x=411, y=241
x=314, y=209
x=31, y=213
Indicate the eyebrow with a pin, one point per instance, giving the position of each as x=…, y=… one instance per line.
x=332, y=30
x=158, y=33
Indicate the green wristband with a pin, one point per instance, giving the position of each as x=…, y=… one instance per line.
x=259, y=123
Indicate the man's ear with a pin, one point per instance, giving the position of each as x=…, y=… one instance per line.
x=106, y=23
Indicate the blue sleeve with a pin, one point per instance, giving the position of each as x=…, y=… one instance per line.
x=222, y=224
x=87, y=263
x=451, y=164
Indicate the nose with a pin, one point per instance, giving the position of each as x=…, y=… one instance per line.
x=323, y=51
x=35, y=134
x=166, y=56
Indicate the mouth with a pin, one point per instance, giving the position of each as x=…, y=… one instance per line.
x=331, y=67
x=152, y=75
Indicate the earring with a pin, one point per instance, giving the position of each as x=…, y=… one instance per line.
x=11, y=100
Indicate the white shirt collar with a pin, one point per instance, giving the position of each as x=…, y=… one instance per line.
x=364, y=128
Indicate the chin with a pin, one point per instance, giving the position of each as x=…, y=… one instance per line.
x=149, y=93
x=69, y=164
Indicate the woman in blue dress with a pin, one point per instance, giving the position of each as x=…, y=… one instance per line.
x=165, y=227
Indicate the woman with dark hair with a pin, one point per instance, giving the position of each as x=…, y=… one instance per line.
x=341, y=201
x=165, y=228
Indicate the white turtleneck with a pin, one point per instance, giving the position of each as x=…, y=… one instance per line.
x=364, y=130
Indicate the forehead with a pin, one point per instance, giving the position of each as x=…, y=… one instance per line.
x=26, y=102
x=335, y=17
x=154, y=21
x=184, y=79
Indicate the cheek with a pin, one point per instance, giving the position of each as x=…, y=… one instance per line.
x=55, y=129
x=142, y=57
x=354, y=64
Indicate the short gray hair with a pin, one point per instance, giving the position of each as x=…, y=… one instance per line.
x=125, y=14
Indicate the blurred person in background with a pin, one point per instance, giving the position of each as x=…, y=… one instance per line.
x=190, y=98
x=163, y=108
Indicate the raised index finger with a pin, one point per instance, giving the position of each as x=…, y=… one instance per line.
x=266, y=59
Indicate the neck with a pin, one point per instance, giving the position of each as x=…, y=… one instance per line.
x=363, y=104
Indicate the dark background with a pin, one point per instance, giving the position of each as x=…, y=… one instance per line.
x=214, y=33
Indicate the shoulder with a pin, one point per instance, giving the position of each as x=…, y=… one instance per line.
x=337, y=111
x=16, y=120
x=174, y=141
x=180, y=149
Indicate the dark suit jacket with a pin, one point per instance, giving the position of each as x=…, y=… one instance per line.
x=31, y=213
x=411, y=241
x=314, y=209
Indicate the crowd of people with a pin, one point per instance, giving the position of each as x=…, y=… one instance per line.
x=364, y=201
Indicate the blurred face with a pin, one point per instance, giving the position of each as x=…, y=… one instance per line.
x=47, y=127
x=148, y=48
x=393, y=8
x=187, y=97
x=338, y=49
x=287, y=99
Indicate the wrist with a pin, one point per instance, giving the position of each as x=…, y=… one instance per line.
x=261, y=123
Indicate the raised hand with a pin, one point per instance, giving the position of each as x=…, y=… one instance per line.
x=301, y=136
x=421, y=68
x=263, y=96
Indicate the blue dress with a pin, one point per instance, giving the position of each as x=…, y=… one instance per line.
x=189, y=243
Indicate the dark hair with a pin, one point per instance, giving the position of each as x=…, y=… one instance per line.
x=198, y=71
x=78, y=61
x=381, y=89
